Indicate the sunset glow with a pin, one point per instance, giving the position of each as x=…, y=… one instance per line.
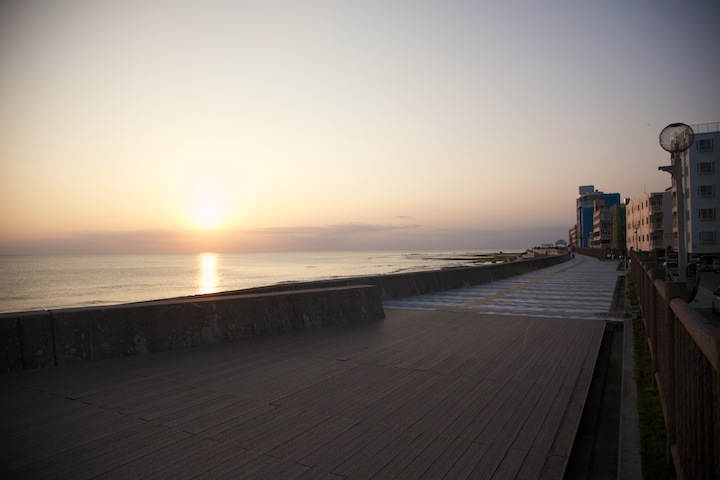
x=166, y=126
x=208, y=213
x=207, y=281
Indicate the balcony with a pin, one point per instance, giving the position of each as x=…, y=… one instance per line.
x=656, y=208
x=656, y=243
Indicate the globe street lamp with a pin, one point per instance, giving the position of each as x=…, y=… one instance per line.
x=676, y=138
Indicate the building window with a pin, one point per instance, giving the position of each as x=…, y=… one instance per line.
x=707, y=237
x=705, y=191
x=706, y=168
x=705, y=145
x=707, y=214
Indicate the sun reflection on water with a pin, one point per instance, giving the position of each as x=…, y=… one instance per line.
x=207, y=281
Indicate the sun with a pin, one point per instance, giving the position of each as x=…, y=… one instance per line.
x=208, y=213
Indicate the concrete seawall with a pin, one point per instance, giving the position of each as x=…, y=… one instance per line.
x=47, y=338
x=400, y=285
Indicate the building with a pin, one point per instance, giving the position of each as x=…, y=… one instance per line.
x=573, y=236
x=649, y=221
x=618, y=236
x=586, y=207
x=601, y=233
x=701, y=178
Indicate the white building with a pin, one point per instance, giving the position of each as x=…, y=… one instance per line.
x=602, y=233
x=650, y=221
x=701, y=179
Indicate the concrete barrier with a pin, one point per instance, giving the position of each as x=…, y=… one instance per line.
x=400, y=285
x=40, y=339
x=57, y=337
x=26, y=341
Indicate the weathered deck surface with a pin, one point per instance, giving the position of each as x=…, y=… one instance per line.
x=421, y=394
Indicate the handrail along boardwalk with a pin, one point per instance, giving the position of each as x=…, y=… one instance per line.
x=686, y=364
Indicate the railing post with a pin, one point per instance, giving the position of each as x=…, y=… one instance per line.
x=648, y=300
x=672, y=290
x=653, y=311
x=717, y=409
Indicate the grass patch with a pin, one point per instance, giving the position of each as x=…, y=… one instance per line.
x=653, y=436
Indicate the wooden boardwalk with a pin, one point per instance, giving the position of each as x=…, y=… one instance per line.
x=421, y=394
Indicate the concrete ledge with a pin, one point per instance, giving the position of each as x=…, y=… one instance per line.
x=26, y=341
x=400, y=285
x=39, y=339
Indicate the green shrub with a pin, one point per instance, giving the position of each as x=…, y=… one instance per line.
x=653, y=436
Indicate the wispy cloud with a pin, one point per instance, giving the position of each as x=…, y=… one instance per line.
x=355, y=235
x=350, y=228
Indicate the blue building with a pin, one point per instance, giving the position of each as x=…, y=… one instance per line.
x=589, y=202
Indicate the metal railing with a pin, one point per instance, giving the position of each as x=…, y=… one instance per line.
x=686, y=365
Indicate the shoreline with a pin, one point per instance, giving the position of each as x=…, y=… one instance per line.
x=42, y=283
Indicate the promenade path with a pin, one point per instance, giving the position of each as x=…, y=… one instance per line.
x=484, y=382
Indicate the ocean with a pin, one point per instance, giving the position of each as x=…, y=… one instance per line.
x=44, y=282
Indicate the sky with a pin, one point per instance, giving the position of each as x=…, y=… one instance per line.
x=150, y=126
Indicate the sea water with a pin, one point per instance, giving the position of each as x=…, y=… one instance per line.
x=40, y=282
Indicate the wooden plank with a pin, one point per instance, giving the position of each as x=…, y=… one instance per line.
x=160, y=459
x=313, y=438
x=142, y=396
x=182, y=406
x=234, y=414
x=244, y=427
x=102, y=454
x=377, y=454
x=55, y=411
x=213, y=403
x=118, y=461
x=182, y=460
x=391, y=380
x=464, y=345
x=501, y=431
x=470, y=457
x=200, y=461
x=270, y=438
x=346, y=380
x=543, y=442
x=227, y=465
x=510, y=465
x=419, y=382
x=351, y=398
x=62, y=464
x=455, y=441
x=414, y=460
x=416, y=412
x=340, y=448
x=278, y=469
x=62, y=437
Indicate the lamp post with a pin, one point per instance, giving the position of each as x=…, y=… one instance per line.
x=676, y=138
